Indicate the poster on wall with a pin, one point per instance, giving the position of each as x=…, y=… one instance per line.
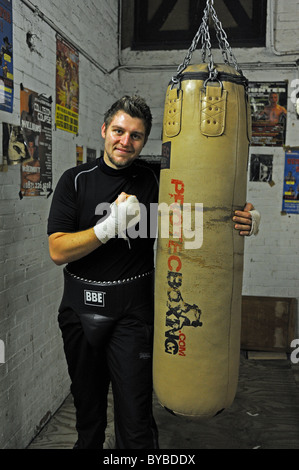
x=261, y=167
x=290, y=203
x=67, y=86
x=269, y=113
x=79, y=155
x=14, y=148
x=36, y=126
x=6, y=57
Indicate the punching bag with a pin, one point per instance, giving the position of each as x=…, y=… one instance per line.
x=199, y=261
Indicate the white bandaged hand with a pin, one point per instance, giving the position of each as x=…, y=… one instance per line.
x=256, y=218
x=125, y=213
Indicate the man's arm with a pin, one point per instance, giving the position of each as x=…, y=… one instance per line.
x=67, y=247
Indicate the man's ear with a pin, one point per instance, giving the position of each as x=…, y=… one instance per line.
x=103, y=131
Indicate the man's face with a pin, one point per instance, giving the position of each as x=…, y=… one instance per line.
x=124, y=140
x=273, y=98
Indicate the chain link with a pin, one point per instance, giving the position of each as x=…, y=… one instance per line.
x=203, y=34
x=223, y=42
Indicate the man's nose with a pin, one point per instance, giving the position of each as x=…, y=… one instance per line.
x=125, y=139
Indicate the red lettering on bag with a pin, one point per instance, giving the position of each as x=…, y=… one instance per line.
x=179, y=188
x=178, y=260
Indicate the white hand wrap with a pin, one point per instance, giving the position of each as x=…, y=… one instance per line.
x=123, y=215
x=256, y=218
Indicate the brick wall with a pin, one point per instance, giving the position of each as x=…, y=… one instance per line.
x=34, y=379
x=285, y=20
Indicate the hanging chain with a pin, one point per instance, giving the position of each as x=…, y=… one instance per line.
x=223, y=42
x=203, y=33
x=206, y=39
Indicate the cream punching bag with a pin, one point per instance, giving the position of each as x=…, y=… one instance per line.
x=199, y=263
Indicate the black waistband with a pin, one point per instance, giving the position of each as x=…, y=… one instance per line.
x=108, y=283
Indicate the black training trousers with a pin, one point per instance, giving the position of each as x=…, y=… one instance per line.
x=121, y=354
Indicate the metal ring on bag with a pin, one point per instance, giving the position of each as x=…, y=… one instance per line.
x=212, y=80
x=175, y=81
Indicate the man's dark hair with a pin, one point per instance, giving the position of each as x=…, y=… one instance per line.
x=136, y=107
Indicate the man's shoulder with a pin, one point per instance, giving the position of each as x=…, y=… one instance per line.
x=82, y=168
x=74, y=172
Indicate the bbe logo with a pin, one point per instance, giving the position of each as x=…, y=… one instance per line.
x=95, y=298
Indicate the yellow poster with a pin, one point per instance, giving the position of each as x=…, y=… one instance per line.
x=67, y=86
x=79, y=155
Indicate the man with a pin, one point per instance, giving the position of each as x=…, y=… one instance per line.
x=106, y=314
x=273, y=112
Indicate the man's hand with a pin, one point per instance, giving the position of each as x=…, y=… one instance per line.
x=125, y=211
x=243, y=220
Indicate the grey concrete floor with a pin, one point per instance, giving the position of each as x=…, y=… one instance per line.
x=264, y=415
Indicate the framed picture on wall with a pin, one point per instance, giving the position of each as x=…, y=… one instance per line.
x=268, y=102
x=260, y=168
